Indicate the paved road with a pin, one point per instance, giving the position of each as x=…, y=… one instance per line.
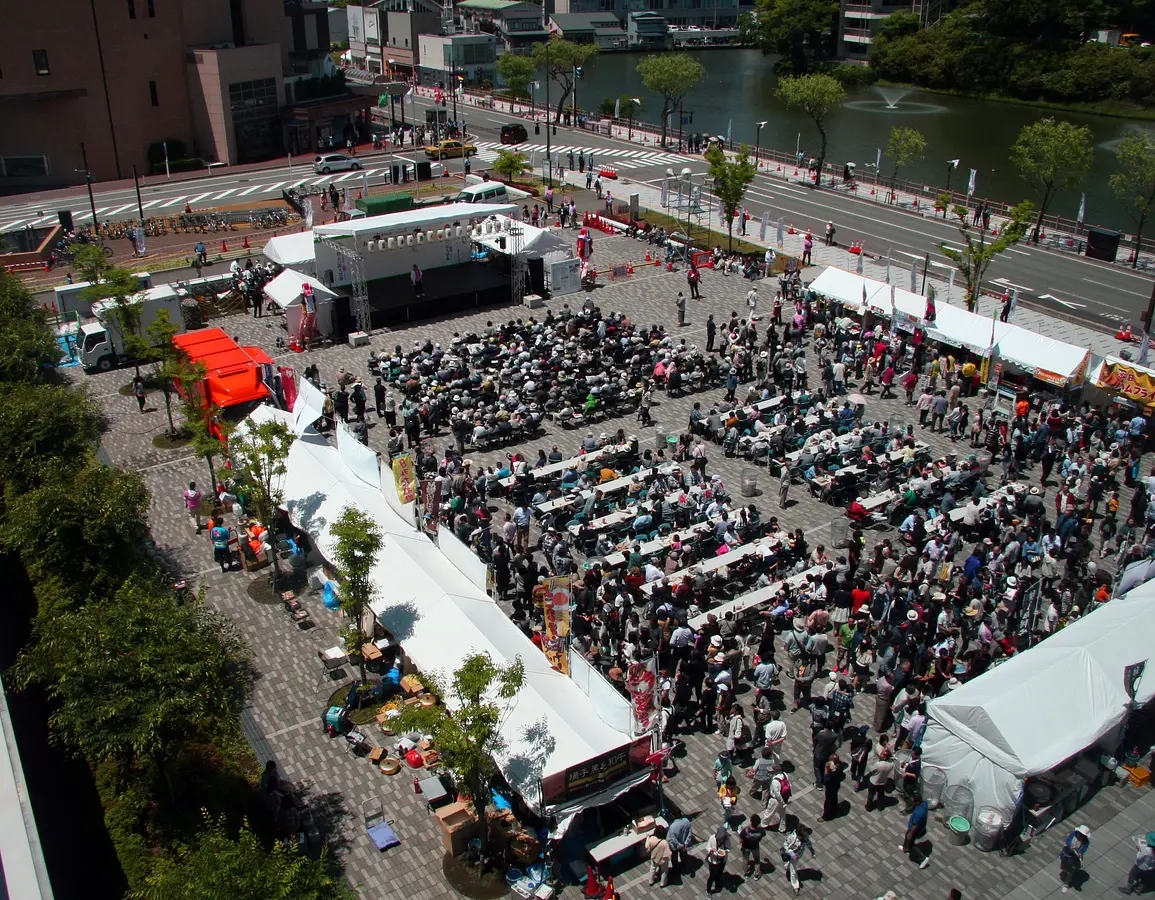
x=1062, y=282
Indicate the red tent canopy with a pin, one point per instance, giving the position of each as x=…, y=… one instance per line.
x=235, y=373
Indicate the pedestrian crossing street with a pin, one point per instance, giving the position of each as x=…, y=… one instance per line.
x=621, y=159
x=259, y=193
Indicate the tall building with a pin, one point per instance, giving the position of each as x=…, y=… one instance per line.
x=132, y=79
x=678, y=13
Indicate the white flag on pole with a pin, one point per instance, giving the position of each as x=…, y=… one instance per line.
x=721, y=213
x=878, y=160
x=781, y=233
x=1144, y=348
x=860, y=254
x=765, y=224
x=888, y=265
x=971, y=183
x=1082, y=208
x=729, y=125
x=914, y=276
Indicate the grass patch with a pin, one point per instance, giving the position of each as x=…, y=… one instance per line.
x=362, y=714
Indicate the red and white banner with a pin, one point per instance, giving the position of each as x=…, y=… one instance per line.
x=642, y=683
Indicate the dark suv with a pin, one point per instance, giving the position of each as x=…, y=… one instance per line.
x=513, y=133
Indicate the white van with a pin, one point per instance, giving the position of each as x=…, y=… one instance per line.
x=486, y=192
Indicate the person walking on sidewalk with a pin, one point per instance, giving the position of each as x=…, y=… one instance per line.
x=1071, y=856
x=829, y=234
x=681, y=304
x=916, y=831
x=784, y=485
x=711, y=333
x=549, y=200
x=807, y=250
x=192, y=502
x=693, y=279
x=1143, y=871
x=139, y=392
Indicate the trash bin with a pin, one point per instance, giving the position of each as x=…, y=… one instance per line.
x=749, y=482
x=933, y=783
x=988, y=828
x=839, y=528
x=958, y=800
x=659, y=437
x=959, y=830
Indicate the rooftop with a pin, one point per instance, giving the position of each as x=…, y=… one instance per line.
x=584, y=21
x=494, y=5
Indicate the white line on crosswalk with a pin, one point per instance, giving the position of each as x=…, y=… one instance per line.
x=252, y=190
x=223, y=194
x=272, y=187
x=12, y=225
x=320, y=181
x=200, y=197
x=114, y=210
x=173, y=202
x=152, y=203
x=299, y=183
x=346, y=177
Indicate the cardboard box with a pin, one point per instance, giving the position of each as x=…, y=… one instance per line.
x=458, y=826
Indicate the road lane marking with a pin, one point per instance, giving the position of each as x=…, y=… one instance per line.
x=1113, y=288
x=1066, y=303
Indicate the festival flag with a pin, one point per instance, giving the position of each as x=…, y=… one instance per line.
x=858, y=265
x=729, y=125
x=618, y=108
x=1082, y=208
x=1144, y=348
x=971, y=183
x=888, y=265
x=762, y=228
x=931, y=310
x=405, y=476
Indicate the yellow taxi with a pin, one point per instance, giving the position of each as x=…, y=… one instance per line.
x=449, y=150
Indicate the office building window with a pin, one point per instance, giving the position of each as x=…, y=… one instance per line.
x=253, y=99
x=152, y=93
x=23, y=166
x=132, y=9
x=40, y=61
x=152, y=9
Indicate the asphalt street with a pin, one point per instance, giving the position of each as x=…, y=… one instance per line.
x=1075, y=286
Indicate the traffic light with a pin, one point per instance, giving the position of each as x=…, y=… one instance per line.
x=577, y=72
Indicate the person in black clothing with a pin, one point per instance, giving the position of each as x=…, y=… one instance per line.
x=379, y=397
x=341, y=404
x=711, y=331
x=832, y=778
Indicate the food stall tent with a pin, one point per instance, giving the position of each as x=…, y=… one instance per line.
x=1034, y=712
x=287, y=292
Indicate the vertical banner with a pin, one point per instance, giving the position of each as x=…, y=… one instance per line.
x=289, y=386
x=763, y=226
x=858, y=264
x=642, y=683
x=558, y=601
x=431, y=503
x=971, y=183
x=1144, y=348
x=888, y=265
x=781, y=233
x=405, y=476
x=308, y=212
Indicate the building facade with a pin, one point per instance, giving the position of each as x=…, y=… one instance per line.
x=679, y=13
x=445, y=56
x=122, y=82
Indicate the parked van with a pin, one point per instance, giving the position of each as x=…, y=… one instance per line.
x=486, y=192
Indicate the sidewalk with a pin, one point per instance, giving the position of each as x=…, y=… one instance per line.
x=1098, y=341
x=1106, y=864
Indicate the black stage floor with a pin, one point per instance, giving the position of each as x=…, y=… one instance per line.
x=448, y=290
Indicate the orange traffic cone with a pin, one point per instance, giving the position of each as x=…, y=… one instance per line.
x=630, y=268
x=648, y=256
x=669, y=267
x=791, y=231
x=779, y=167
x=1124, y=332
x=224, y=247
x=246, y=243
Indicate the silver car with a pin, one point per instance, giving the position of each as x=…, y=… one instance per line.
x=334, y=162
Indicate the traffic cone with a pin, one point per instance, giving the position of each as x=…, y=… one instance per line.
x=669, y=267
x=1124, y=332
x=779, y=167
x=648, y=256
x=630, y=268
x=224, y=247
x=246, y=243
x=872, y=192
x=586, y=218
x=795, y=173
x=791, y=231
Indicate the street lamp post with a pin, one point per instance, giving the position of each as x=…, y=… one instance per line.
x=88, y=181
x=758, y=126
x=548, y=154
x=634, y=102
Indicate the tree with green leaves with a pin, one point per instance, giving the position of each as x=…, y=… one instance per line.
x=134, y=677
x=516, y=71
x=509, y=164
x=797, y=29
x=558, y=58
x=24, y=334
x=122, y=287
x=215, y=865
x=82, y=528
x=90, y=262
x=730, y=180
x=467, y=725
x=44, y=429
x=1134, y=183
x=169, y=359
x=671, y=76
x=903, y=147
x=259, y=457
x=1051, y=156
x=816, y=95
x=357, y=541
x=978, y=252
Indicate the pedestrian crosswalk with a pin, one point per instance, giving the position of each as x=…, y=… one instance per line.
x=617, y=157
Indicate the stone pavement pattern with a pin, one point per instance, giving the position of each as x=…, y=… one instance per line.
x=858, y=853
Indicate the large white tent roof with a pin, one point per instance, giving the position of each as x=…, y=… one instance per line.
x=286, y=289
x=534, y=241
x=954, y=325
x=425, y=216
x=440, y=617
x=1040, y=708
x=291, y=249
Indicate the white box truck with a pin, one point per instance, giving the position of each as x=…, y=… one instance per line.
x=68, y=298
x=102, y=339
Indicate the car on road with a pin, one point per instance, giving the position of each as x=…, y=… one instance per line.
x=513, y=133
x=449, y=149
x=334, y=162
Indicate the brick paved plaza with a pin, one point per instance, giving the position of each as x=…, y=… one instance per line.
x=859, y=854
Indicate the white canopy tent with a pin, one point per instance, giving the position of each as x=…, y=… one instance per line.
x=545, y=243
x=1034, y=353
x=1038, y=709
x=440, y=616
x=292, y=251
x=287, y=291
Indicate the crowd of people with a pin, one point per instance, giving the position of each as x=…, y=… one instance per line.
x=977, y=557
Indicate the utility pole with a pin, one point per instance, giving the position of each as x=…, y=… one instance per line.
x=139, y=205
x=548, y=154
x=88, y=182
